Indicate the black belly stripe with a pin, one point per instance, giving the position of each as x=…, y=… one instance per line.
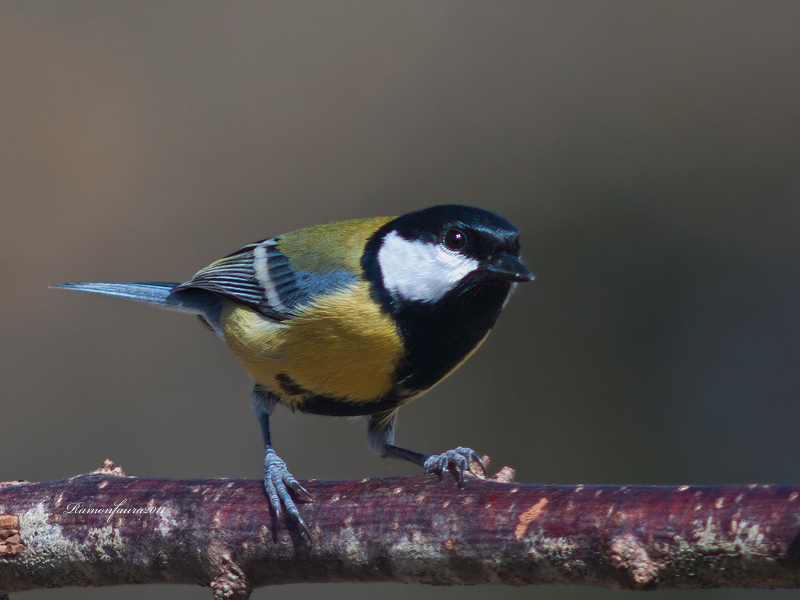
x=320, y=404
x=291, y=387
x=438, y=337
x=336, y=407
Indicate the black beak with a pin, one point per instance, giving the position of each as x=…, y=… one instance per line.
x=509, y=267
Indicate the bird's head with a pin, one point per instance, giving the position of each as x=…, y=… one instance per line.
x=424, y=256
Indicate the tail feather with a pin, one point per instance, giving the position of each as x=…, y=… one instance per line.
x=199, y=302
x=151, y=293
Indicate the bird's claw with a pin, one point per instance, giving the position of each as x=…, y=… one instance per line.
x=457, y=459
x=277, y=483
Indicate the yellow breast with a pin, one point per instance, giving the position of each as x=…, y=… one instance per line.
x=341, y=345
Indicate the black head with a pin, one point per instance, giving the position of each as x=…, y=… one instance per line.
x=445, y=274
x=425, y=255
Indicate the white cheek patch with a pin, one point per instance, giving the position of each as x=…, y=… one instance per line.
x=421, y=271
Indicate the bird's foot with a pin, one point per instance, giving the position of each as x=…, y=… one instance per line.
x=457, y=460
x=277, y=482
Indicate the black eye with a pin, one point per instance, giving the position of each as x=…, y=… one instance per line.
x=455, y=239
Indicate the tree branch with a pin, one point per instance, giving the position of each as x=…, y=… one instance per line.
x=105, y=529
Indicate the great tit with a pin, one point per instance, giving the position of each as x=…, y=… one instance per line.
x=352, y=318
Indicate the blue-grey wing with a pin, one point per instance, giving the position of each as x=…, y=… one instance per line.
x=259, y=276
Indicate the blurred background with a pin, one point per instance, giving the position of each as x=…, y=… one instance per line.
x=649, y=153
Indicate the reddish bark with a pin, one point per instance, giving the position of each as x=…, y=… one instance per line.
x=219, y=533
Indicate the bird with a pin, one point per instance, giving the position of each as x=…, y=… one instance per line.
x=352, y=318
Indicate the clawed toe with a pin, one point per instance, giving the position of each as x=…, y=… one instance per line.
x=299, y=490
x=277, y=483
x=457, y=459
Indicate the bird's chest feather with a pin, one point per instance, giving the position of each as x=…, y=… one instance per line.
x=438, y=338
x=341, y=346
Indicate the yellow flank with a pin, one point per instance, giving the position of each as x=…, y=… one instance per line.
x=330, y=246
x=341, y=345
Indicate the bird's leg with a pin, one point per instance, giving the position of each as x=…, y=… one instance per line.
x=277, y=479
x=381, y=437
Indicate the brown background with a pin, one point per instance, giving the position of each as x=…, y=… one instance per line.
x=648, y=151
